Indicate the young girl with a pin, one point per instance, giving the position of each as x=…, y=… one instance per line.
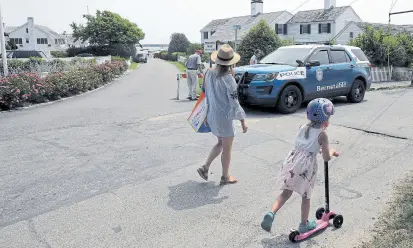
x=299, y=170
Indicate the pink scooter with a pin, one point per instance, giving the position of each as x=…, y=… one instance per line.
x=323, y=215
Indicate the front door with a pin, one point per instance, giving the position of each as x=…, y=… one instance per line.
x=343, y=71
x=319, y=78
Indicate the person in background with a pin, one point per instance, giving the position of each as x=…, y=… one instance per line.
x=193, y=66
x=254, y=58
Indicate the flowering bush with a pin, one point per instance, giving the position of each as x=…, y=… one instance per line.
x=24, y=88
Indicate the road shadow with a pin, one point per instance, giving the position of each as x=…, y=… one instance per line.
x=191, y=194
x=271, y=112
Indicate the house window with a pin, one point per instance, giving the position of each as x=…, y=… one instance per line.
x=17, y=41
x=351, y=35
x=27, y=30
x=281, y=28
x=324, y=28
x=305, y=29
x=205, y=35
x=27, y=40
x=59, y=41
x=42, y=41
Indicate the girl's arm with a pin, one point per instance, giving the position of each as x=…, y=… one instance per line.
x=326, y=151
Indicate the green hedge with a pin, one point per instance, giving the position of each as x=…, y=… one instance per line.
x=25, y=88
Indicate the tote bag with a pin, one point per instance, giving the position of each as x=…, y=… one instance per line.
x=198, y=116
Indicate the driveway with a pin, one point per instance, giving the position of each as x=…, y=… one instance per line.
x=117, y=168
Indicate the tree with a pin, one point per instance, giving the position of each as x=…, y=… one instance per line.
x=108, y=29
x=178, y=43
x=11, y=46
x=193, y=47
x=261, y=37
x=379, y=46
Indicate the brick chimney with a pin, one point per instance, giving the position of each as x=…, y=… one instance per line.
x=329, y=3
x=32, y=34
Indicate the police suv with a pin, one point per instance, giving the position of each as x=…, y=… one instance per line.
x=292, y=75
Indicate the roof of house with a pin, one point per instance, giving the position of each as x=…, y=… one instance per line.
x=318, y=15
x=44, y=29
x=9, y=29
x=224, y=27
x=214, y=24
x=394, y=29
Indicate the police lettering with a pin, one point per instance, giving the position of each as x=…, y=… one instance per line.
x=291, y=73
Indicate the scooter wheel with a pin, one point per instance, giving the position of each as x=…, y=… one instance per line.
x=319, y=213
x=293, y=235
x=338, y=221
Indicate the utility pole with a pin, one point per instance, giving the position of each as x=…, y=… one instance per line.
x=236, y=27
x=3, y=46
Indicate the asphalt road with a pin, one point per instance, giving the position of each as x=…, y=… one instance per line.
x=117, y=168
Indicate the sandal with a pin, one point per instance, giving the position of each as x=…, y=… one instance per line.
x=228, y=180
x=203, y=172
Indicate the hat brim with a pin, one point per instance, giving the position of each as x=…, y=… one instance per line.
x=234, y=60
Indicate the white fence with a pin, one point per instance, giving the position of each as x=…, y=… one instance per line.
x=386, y=74
x=182, y=59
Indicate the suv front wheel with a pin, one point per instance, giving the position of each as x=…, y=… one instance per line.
x=289, y=100
x=357, y=92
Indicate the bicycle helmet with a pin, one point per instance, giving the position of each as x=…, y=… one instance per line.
x=319, y=110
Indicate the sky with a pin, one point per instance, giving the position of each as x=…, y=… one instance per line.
x=160, y=18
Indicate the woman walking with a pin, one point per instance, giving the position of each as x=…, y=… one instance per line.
x=223, y=108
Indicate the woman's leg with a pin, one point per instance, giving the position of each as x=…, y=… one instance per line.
x=226, y=155
x=213, y=154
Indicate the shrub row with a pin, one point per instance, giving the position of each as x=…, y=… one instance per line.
x=38, y=65
x=24, y=88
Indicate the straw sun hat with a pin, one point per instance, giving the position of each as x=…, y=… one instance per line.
x=225, y=56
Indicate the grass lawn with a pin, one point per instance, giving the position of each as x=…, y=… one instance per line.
x=395, y=227
x=133, y=66
x=181, y=67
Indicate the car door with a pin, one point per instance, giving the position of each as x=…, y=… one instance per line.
x=319, y=78
x=343, y=71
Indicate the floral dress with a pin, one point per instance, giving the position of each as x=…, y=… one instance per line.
x=299, y=170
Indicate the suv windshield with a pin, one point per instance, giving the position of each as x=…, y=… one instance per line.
x=286, y=56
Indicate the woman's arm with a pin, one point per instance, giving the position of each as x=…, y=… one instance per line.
x=236, y=111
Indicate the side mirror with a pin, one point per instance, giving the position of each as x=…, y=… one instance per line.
x=313, y=63
x=299, y=62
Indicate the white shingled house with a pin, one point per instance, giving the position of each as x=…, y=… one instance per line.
x=354, y=29
x=30, y=36
x=223, y=29
x=311, y=26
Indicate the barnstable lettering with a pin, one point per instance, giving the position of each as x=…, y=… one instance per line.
x=332, y=87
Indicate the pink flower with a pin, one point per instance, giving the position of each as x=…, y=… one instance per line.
x=18, y=91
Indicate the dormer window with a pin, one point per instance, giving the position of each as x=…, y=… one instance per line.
x=205, y=35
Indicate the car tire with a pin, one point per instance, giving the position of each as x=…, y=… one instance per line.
x=357, y=92
x=290, y=99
